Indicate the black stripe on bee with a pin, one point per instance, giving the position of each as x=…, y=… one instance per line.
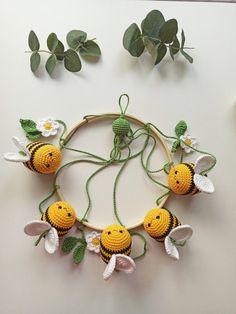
x=192, y=185
x=34, y=150
x=107, y=258
x=59, y=229
x=114, y=252
x=170, y=226
x=104, y=257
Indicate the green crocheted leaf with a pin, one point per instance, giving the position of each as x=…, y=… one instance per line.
x=175, y=146
x=78, y=254
x=28, y=125
x=180, y=128
x=69, y=243
x=33, y=135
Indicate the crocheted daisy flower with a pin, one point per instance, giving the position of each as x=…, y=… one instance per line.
x=93, y=241
x=47, y=126
x=186, y=140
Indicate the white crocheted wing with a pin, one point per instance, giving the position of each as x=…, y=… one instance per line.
x=202, y=182
x=51, y=241
x=37, y=227
x=177, y=236
x=17, y=157
x=119, y=262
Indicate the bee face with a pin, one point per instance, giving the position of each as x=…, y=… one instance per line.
x=159, y=222
x=61, y=216
x=45, y=158
x=180, y=179
x=115, y=239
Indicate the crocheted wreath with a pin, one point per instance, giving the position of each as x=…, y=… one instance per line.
x=114, y=243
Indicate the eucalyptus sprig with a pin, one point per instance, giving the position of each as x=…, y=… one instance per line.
x=78, y=45
x=157, y=36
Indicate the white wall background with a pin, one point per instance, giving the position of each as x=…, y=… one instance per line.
x=203, y=94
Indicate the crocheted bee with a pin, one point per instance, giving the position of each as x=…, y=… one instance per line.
x=40, y=157
x=58, y=219
x=115, y=246
x=186, y=178
x=163, y=226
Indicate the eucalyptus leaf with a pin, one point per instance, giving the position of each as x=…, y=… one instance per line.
x=132, y=40
x=78, y=254
x=180, y=128
x=182, y=39
x=151, y=47
x=187, y=56
x=161, y=51
x=52, y=42
x=59, y=51
x=69, y=244
x=152, y=23
x=33, y=41
x=175, y=146
x=34, y=61
x=168, y=31
x=175, y=46
x=72, y=61
x=75, y=37
x=90, y=49
x=51, y=63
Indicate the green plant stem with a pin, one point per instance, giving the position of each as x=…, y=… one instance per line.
x=46, y=51
x=144, y=246
x=40, y=237
x=115, y=187
x=195, y=149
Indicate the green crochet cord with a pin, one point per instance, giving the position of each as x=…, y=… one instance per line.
x=123, y=138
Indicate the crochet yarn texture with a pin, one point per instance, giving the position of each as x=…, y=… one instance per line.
x=115, y=239
x=159, y=222
x=180, y=179
x=121, y=126
x=45, y=158
x=61, y=215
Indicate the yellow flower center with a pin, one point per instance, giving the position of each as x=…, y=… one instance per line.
x=48, y=126
x=188, y=141
x=95, y=241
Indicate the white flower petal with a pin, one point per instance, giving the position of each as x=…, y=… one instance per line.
x=46, y=133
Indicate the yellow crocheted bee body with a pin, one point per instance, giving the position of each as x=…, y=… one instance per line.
x=61, y=216
x=180, y=179
x=115, y=239
x=45, y=158
x=159, y=222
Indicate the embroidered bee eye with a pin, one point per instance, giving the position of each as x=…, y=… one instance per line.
x=50, y=154
x=121, y=231
x=59, y=207
x=47, y=165
x=177, y=182
x=158, y=217
x=176, y=171
x=69, y=214
x=109, y=232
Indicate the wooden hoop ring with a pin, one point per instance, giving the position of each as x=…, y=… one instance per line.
x=93, y=118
